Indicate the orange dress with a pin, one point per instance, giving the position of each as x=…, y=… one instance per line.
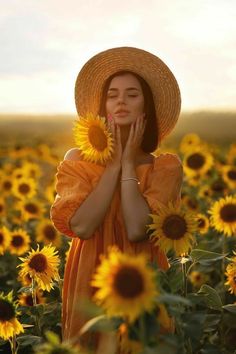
x=160, y=182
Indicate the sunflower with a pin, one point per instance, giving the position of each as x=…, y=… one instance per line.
x=32, y=169
x=173, y=228
x=42, y=266
x=126, y=285
x=46, y=233
x=205, y=192
x=189, y=141
x=9, y=325
x=4, y=239
x=18, y=173
x=191, y=202
x=197, y=278
x=6, y=185
x=231, y=156
x=203, y=223
x=194, y=180
x=30, y=209
x=93, y=138
x=231, y=277
x=197, y=162
x=223, y=215
x=20, y=242
x=24, y=188
x=229, y=176
x=25, y=299
x=218, y=187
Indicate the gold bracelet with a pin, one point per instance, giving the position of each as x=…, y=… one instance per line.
x=130, y=179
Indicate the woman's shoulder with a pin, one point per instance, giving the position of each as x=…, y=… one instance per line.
x=73, y=154
x=168, y=159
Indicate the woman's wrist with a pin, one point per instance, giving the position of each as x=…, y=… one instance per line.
x=128, y=171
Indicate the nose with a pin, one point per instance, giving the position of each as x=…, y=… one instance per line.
x=121, y=99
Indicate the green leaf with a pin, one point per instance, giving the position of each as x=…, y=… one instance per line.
x=25, y=341
x=230, y=307
x=205, y=257
x=212, y=298
x=173, y=300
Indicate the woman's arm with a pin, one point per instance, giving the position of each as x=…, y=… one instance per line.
x=89, y=216
x=134, y=207
x=92, y=211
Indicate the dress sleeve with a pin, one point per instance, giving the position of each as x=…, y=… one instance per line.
x=164, y=182
x=72, y=187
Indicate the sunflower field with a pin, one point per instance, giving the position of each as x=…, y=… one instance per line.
x=189, y=309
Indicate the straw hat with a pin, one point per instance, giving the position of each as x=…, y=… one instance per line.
x=165, y=89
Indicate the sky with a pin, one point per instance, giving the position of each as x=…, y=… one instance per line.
x=45, y=43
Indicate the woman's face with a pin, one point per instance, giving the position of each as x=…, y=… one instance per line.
x=125, y=101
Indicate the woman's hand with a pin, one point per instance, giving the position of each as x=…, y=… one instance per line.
x=134, y=141
x=117, y=155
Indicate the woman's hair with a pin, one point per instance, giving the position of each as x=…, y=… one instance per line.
x=150, y=136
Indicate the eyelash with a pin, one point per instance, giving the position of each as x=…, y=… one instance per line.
x=116, y=96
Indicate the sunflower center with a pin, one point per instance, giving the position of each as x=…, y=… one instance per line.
x=38, y=263
x=201, y=223
x=7, y=311
x=195, y=161
x=17, y=241
x=128, y=282
x=31, y=208
x=49, y=232
x=24, y=188
x=228, y=213
x=1, y=208
x=192, y=203
x=1, y=238
x=218, y=186
x=232, y=175
x=7, y=185
x=174, y=227
x=97, y=138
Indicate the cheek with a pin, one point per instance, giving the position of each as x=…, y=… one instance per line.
x=139, y=106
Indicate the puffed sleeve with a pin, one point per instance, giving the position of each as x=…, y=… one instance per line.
x=72, y=187
x=164, y=182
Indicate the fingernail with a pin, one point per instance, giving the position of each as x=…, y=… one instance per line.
x=109, y=117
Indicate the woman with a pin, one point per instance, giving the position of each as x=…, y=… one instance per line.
x=101, y=205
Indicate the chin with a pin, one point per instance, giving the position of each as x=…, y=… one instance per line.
x=121, y=122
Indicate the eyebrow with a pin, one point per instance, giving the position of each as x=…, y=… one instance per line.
x=128, y=88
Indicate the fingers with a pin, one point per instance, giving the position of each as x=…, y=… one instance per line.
x=111, y=125
x=139, y=128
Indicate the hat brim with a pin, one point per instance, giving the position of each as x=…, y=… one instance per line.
x=165, y=89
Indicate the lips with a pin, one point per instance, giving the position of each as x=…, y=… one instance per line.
x=121, y=112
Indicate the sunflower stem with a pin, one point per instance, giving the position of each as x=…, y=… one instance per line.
x=142, y=330
x=13, y=345
x=183, y=267
x=33, y=292
x=189, y=268
x=224, y=250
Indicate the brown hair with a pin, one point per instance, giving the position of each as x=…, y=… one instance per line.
x=150, y=136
